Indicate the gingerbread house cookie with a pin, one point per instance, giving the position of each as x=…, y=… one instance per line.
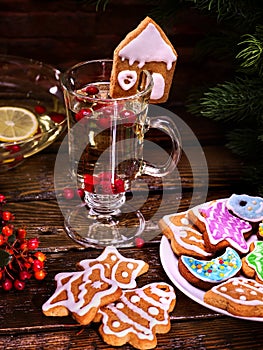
x=145, y=48
x=184, y=237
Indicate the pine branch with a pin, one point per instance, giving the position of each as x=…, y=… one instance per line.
x=236, y=101
x=243, y=12
x=251, y=56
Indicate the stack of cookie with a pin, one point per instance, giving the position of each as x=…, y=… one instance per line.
x=219, y=251
x=105, y=290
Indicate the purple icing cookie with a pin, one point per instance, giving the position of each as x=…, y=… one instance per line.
x=222, y=226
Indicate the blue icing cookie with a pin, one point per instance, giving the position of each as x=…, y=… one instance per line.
x=246, y=207
x=215, y=270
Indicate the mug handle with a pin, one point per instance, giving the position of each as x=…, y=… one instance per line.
x=167, y=125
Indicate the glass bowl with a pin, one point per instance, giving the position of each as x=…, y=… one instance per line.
x=34, y=88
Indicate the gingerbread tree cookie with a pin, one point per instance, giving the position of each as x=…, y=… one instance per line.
x=81, y=293
x=137, y=316
x=145, y=48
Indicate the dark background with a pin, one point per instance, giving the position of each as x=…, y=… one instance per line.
x=64, y=32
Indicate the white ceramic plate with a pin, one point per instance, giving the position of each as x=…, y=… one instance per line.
x=170, y=264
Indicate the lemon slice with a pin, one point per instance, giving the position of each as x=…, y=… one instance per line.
x=16, y=124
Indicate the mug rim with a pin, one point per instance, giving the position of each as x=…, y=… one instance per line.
x=81, y=64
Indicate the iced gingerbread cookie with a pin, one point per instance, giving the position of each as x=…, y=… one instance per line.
x=184, y=237
x=222, y=229
x=137, y=316
x=81, y=293
x=145, y=48
x=118, y=268
x=246, y=207
x=238, y=296
x=205, y=274
x=253, y=263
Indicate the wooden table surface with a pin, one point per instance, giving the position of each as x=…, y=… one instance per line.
x=30, y=194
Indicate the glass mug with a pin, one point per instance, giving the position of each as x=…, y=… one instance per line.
x=105, y=140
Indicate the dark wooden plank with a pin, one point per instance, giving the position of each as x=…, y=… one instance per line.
x=223, y=333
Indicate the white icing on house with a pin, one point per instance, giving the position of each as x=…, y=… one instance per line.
x=148, y=46
x=158, y=86
x=127, y=79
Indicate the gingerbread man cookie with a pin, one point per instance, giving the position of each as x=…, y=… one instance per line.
x=145, y=48
x=81, y=293
x=118, y=268
x=137, y=316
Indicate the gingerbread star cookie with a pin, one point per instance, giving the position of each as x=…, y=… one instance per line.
x=137, y=316
x=145, y=48
x=81, y=293
x=118, y=268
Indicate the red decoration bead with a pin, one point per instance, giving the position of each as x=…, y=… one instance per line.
x=40, y=109
x=2, y=198
x=33, y=243
x=139, y=242
x=91, y=90
x=7, y=284
x=7, y=231
x=68, y=193
x=83, y=113
x=57, y=117
x=19, y=285
x=6, y=215
x=40, y=275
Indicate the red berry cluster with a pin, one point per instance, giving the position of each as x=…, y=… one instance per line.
x=103, y=183
x=55, y=116
x=104, y=110
x=19, y=260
